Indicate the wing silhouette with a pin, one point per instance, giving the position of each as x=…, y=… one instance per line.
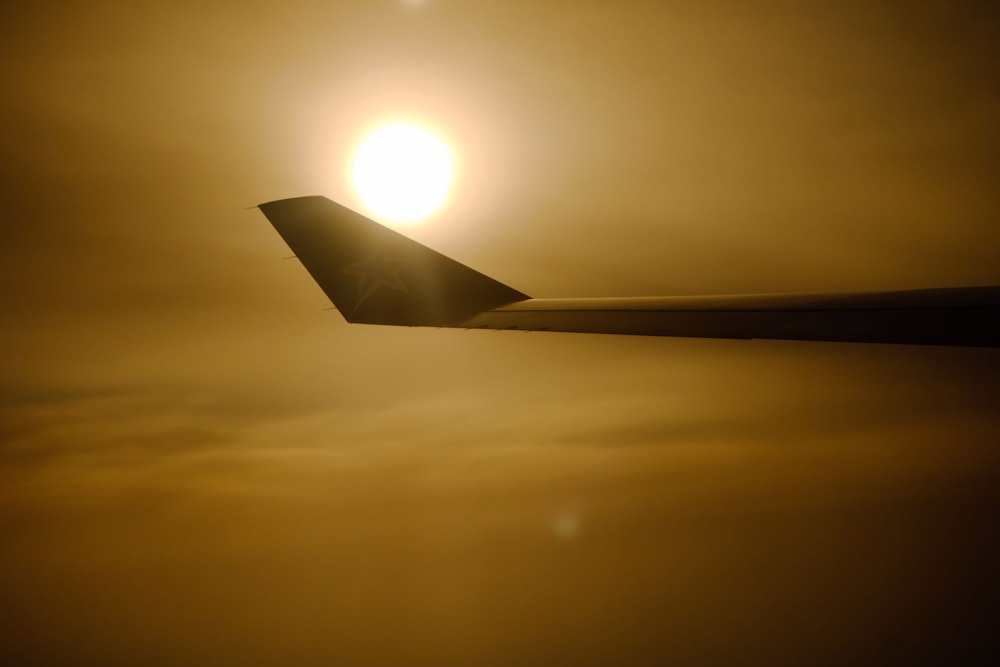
x=375, y=275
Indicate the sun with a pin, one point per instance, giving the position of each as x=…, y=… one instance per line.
x=402, y=173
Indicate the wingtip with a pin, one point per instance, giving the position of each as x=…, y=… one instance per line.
x=376, y=275
x=290, y=200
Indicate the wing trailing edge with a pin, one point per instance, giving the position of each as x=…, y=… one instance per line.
x=375, y=275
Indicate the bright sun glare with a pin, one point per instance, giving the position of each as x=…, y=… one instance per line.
x=402, y=173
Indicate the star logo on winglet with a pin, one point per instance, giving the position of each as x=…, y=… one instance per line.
x=379, y=272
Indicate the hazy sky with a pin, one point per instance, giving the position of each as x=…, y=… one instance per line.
x=199, y=465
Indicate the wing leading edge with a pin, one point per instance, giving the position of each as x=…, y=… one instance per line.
x=374, y=275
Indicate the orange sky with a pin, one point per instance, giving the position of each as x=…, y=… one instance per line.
x=200, y=465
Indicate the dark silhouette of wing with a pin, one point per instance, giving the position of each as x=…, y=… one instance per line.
x=377, y=276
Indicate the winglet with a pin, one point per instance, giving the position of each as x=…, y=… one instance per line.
x=377, y=276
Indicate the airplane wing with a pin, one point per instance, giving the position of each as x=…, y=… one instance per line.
x=375, y=275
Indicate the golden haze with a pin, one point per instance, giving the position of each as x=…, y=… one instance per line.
x=199, y=465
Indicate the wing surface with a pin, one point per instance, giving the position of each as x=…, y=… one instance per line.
x=374, y=275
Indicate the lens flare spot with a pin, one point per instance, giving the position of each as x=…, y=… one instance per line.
x=566, y=526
